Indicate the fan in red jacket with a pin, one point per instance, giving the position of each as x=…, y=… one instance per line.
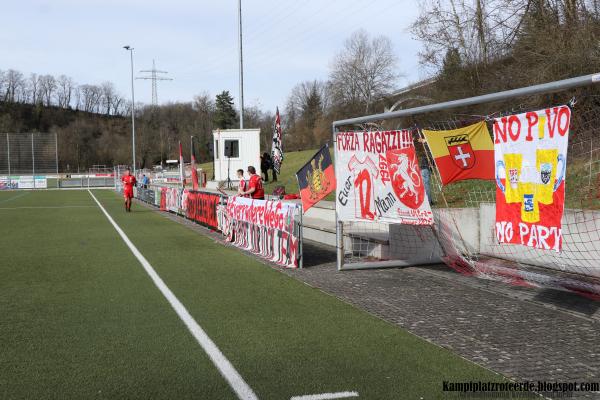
x=128, y=183
x=255, y=185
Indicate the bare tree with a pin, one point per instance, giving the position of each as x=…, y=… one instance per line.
x=307, y=96
x=118, y=104
x=33, y=84
x=479, y=30
x=14, y=84
x=90, y=97
x=47, y=87
x=77, y=96
x=2, y=82
x=64, y=92
x=204, y=106
x=306, y=106
x=364, y=71
x=108, y=96
x=126, y=108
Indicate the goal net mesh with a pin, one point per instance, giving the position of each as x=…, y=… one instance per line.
x=464, y=236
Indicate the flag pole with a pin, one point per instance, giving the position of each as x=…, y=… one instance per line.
x=180, y=165
x=192, y=163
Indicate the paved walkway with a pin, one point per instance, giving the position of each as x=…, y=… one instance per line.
x=522, y=333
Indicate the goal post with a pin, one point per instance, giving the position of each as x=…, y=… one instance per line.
x=462, y=234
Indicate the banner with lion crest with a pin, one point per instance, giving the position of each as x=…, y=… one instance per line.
x=316, y=178
x=379, y=179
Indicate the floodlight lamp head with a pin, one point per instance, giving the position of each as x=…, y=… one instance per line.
x=128, y=47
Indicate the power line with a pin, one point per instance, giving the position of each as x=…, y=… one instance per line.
x=214, y=65
x=154, y=77
x=264, y=54
x=269, y=43
x=215, y=60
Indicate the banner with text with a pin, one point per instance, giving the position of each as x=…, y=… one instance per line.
x=531, y=160
x=269, y=229
x=173, y=199
x=379, y=179
x=23, y=182
x=5, y=183
x=202, y=208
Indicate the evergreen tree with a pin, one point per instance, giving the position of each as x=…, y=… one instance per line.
x=225, y=114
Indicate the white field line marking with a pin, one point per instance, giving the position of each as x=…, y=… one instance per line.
x=41, y=207
x=326, y=396
x=235, y=380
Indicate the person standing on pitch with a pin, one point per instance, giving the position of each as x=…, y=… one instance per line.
x=255, y=185
x=128, y=183
x=242, y=186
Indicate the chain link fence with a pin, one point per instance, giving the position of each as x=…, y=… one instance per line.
x=30, y=161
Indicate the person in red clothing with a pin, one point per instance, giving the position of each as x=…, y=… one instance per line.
x=128, y=183
x=243, y=185
x=255, y=186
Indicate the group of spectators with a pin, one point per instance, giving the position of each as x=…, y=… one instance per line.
x=253, y=186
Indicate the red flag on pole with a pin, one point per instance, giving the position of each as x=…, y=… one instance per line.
x=181, y=176
x=193, y=165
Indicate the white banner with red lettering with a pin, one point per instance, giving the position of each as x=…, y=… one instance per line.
x=531, y=160
x=379, y=179
x=173, y=199
x=267, y=228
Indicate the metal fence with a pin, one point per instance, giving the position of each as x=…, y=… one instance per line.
x=28, y=153
x=89, y=180
x=30, y=161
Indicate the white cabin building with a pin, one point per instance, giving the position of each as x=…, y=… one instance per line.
x=235, y=149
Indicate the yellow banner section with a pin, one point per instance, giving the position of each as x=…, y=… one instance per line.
x=477, y=135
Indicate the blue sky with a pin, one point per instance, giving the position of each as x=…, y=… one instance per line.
x=285, y=42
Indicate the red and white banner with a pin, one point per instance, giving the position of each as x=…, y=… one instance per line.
x=163, y=199
x=379, y=179
x=531, y=160
x=173, y=199
x=193, y=165
x=266, y=228
x=202, y=207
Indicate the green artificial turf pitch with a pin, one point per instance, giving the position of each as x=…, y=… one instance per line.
x=80, y=318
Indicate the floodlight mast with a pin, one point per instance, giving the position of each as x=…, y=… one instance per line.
x=130, y=50
x=241, y=66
